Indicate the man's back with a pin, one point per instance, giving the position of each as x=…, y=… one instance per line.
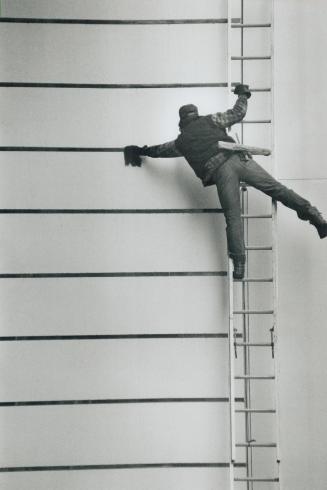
x=198, y=142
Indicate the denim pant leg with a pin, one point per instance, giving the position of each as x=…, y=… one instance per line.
x=252, y=173
x=228, y=186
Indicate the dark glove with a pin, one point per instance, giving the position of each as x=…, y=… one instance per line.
x=132, y=155
x=241, y=89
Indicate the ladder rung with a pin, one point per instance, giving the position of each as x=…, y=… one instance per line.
x=248, y=26
x=256, y=444
x=256, y=216
x=250, y=376
x=271, y=480
x=236, y=58
x=253, y=312
x=268, y=247
x=255, y=410
x=253, y=344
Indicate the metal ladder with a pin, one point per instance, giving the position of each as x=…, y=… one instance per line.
x=247, y=345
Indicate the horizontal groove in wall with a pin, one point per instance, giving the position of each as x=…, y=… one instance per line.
x=249, y=26
x=54, y=275
x=142, y=336
x=118, y=86
x=12, y=469
x=303, y=179
x=117, y=401
x=257, y=121
x=113, y=211
x=114, y=86
x=35, y=20
x=63, y=149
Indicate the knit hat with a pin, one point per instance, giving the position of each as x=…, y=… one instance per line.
x=187, y=113
x=188, y=110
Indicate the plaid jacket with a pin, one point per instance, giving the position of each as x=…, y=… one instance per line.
x=220, y=119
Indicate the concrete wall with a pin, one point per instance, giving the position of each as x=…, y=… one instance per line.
x=55, y=243
x=301, y=72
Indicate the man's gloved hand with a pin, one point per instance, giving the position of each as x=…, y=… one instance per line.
x=132, y=155
x=242, y=89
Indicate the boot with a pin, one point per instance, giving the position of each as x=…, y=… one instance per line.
x=317, y=220
x=322, y=230
x=239, y=266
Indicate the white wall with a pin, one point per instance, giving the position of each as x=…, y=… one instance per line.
x=54, y=243
x=96, y=434
x=301, y=71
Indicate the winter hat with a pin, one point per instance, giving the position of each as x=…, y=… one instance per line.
x=188, y=110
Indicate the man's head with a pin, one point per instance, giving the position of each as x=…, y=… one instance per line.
x=187, y=113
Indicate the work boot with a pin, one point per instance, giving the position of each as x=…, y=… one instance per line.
x=317, y=220
x=322, y=230
x=239, y=266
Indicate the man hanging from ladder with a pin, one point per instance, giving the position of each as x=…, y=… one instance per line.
x=216, y=159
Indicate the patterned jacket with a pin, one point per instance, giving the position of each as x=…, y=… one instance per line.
x=218, y=121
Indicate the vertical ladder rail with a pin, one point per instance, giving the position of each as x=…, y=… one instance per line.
x=232, y=441
x=275, y=334
x=229, y=48
x=231, y=375
x=247, y=354
x=275, y=248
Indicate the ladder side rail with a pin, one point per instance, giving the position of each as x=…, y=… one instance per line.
x=232, y=441
x=275, y=332
x=275, y=248
x=231, y=373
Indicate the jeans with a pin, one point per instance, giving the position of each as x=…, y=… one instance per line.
x=227, y=179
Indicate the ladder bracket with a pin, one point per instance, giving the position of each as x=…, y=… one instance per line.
x=235, y=341
x=273, y=340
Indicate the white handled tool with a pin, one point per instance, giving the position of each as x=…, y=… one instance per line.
x=225, y=145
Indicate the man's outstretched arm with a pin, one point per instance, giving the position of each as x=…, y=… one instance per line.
x=132, y=154
x=237, y=113
x=165, y=150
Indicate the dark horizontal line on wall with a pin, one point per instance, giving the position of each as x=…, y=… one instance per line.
x=251, y=58
x=249, y=26
x=34, y=20
x=118, y=86
x=256, y=121
x=112, y=211
x=304, y=178
x=111, y=85
x=16, y=469
x=141, y=336
x=117, y=401
x=64, y=149
x=263, y=89
x=55, y=275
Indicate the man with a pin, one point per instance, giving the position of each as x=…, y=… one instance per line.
x=198, y=143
